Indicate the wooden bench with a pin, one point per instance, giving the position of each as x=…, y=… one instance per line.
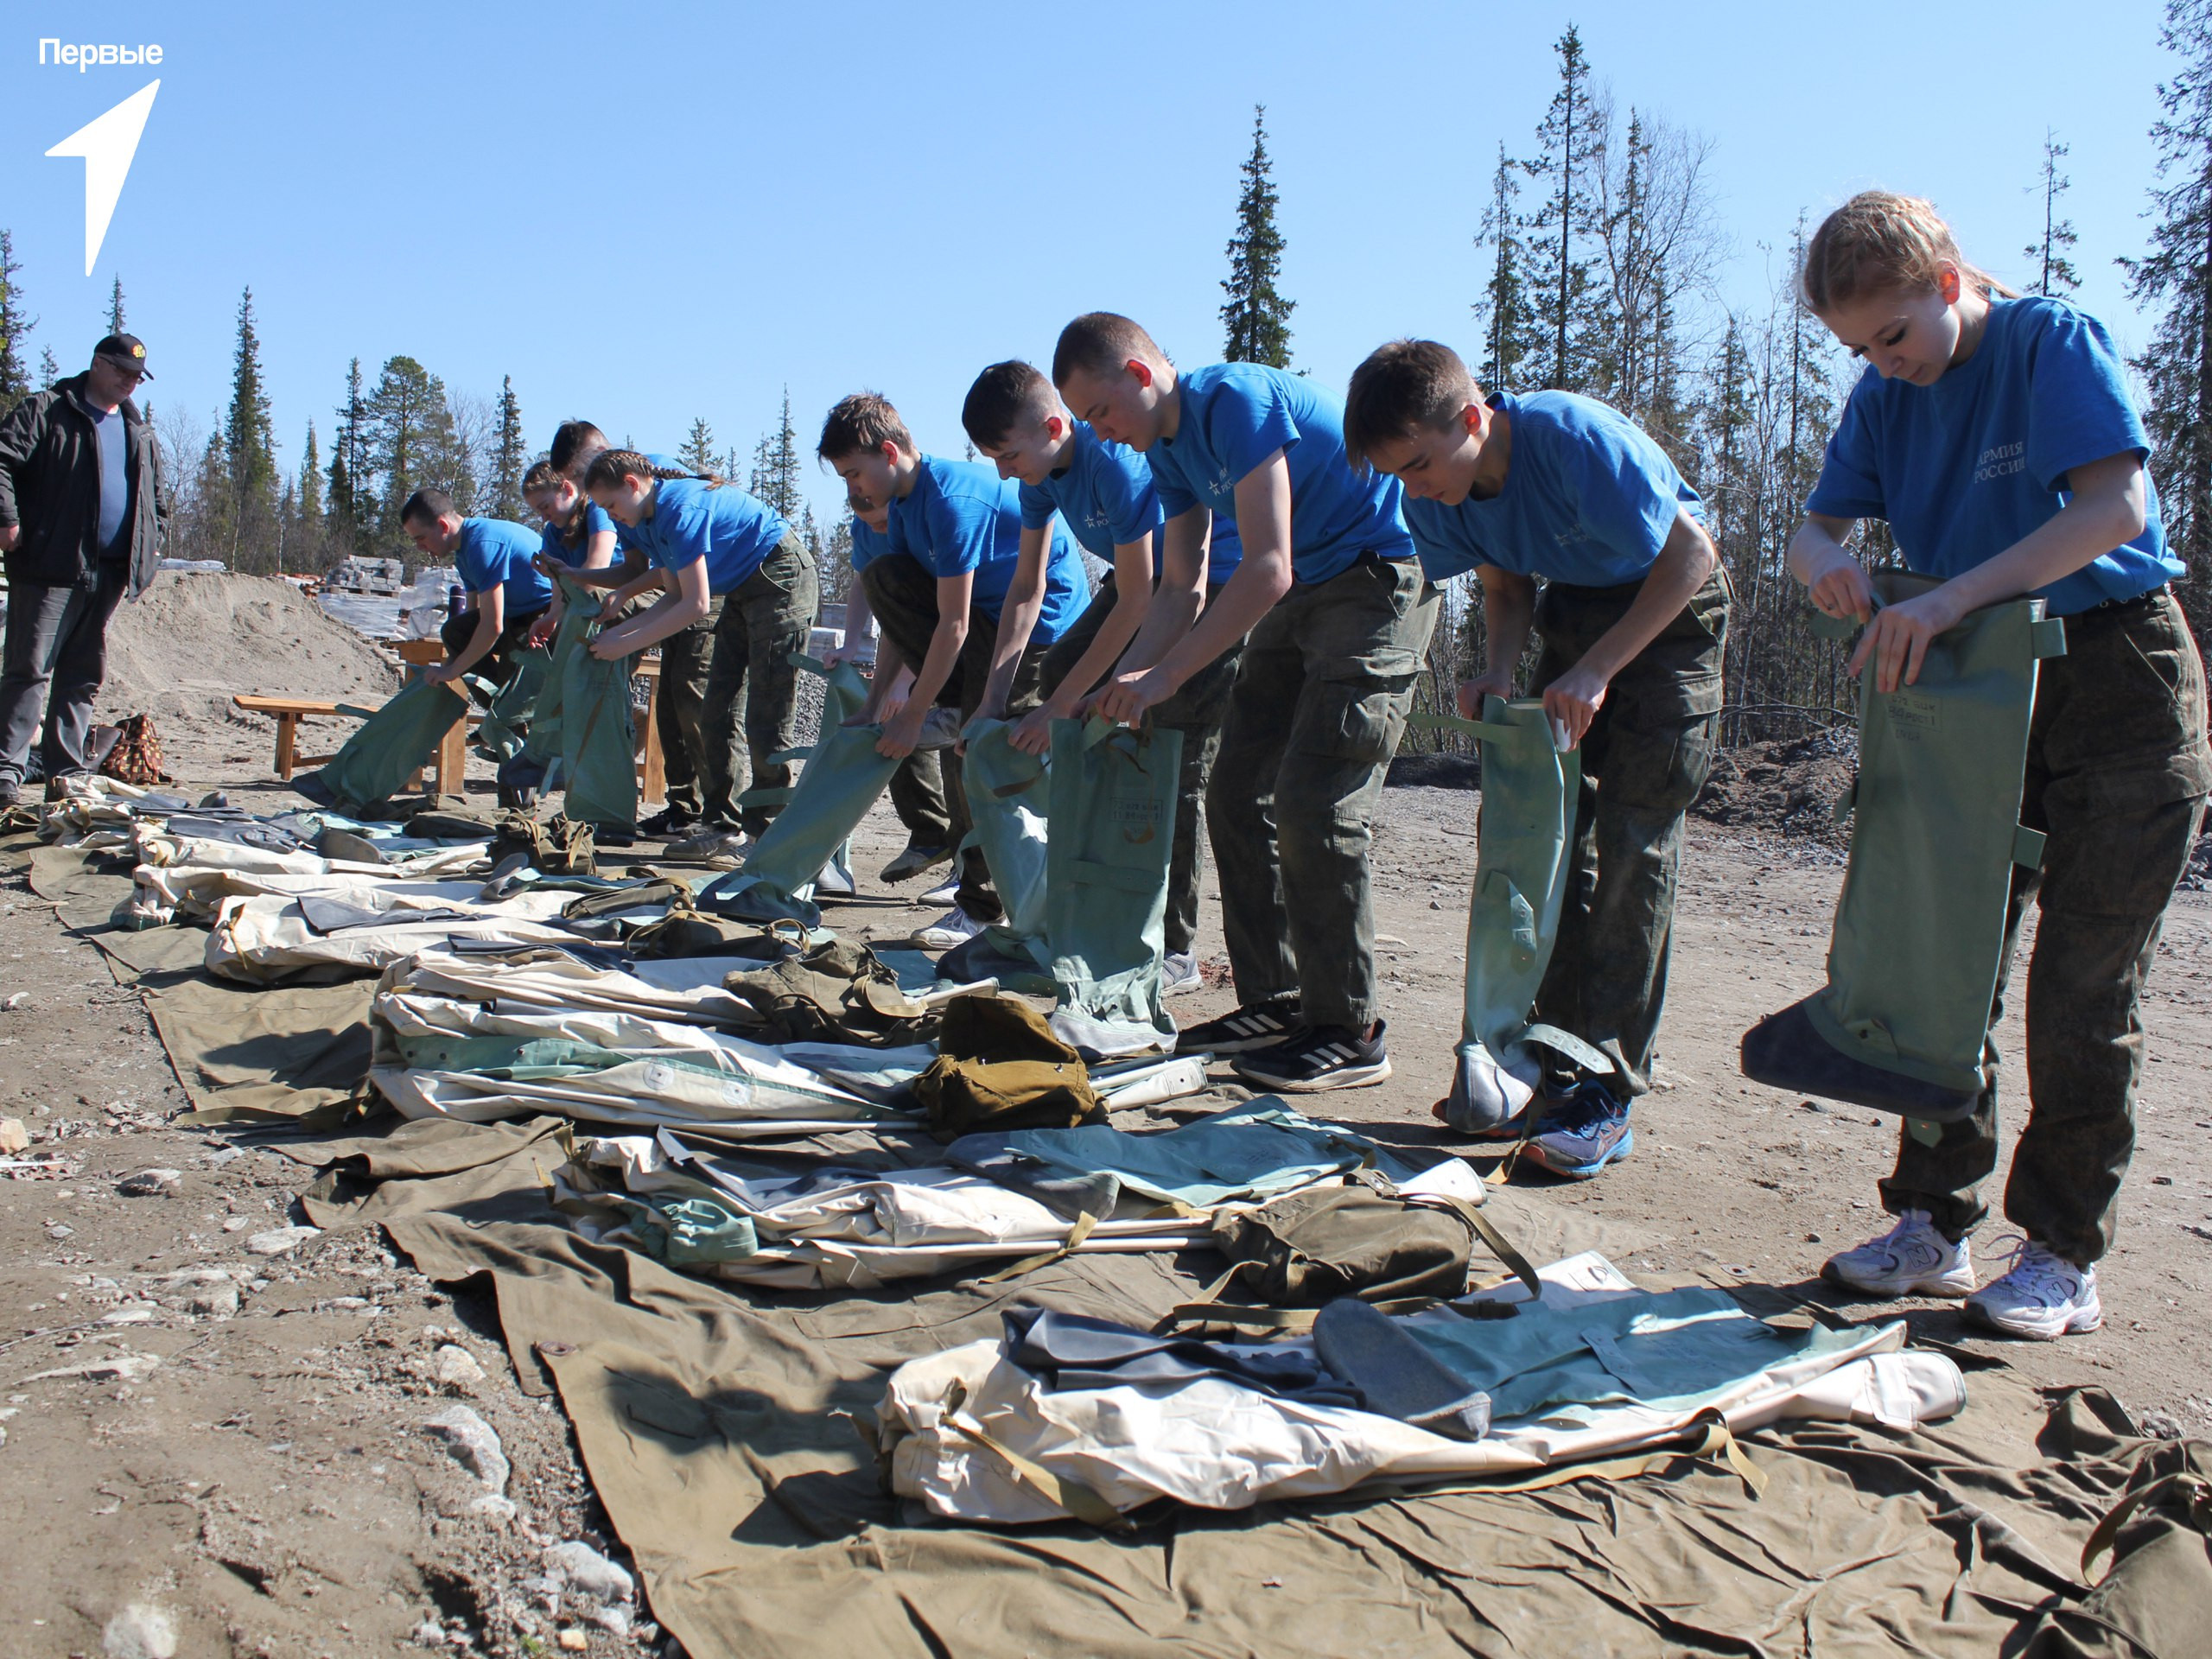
x=453, y=748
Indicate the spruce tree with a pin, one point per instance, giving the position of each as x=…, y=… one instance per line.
x=310, y=481
x=399, y=420
x=1255, y=317
x=348, y=476
x=1503, y=307
x=115, y=307
x=14, y=327
x=2055, y=276
x=250, y=450
x=1570, y=157
x=2175, y=274
x=698, y=450
x=509, y=459
x=50, y=370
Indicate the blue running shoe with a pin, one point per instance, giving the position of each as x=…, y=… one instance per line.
x=1582, y=1133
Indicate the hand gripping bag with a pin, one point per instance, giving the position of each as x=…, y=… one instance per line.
x=1112, y=799
x=393, y=744
x=1901, y=1025
x=504, y=732
x=842, y=776
x=1523, y=860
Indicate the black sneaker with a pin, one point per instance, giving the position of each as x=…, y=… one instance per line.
x=1257, y=1025
x=666, y=823
x=1318, y=1058
x=11, y=790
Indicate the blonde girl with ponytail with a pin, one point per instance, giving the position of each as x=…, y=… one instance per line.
x=1995, y=435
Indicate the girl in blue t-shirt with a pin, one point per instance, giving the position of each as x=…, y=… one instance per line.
x=578, y=535
x=712, y=549
x=1995, y=435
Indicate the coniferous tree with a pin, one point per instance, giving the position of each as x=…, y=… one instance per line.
x=1563, y=231
x=1503, y=308
x=775, y=476
x=250, y=451
x=399, y=420
x=115, y=307
x=1256, y=316
x=2176, y=275
x=2055, y=276
x=698, y=450
x=448, y=457
x=50, y=370
x=15, y=327
x=509, y=458
x=310, y=480
x=347, y=501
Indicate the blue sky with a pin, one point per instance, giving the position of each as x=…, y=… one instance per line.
x=656, y=211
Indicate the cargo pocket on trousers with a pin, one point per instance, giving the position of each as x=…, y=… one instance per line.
x=1360, y=723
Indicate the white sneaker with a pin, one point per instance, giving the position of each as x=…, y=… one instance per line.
x=1180, y=975
x=955, y=927
x=2041, y=1295
x=1911, y=1259
x=835, y=881
x=946, y=891
x=710, y=843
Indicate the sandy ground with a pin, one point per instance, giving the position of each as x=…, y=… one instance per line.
x=262, y=1480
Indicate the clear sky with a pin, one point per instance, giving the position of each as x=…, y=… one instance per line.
x=648, y=211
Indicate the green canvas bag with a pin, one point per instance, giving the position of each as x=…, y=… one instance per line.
x=393, y=744
x=1524, y=846
x=503, y=732
x=1113, y=803
x=1901, y=1025
x=599, y=740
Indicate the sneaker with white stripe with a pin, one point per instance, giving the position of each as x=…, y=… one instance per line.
x=1257, y=1025
x=1322, y=1057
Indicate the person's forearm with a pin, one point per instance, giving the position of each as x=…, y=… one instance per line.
x=1818, y=544
x=1017, y=623
x=670, y=615
x=1131, y=608
x=859, y=616
x=1261, y=579
x=1683, y=566
x=2084, y=528
x=1509, y=612
x=945, y=644
x=1175, y=601
x=480, y=643
x=891, y=666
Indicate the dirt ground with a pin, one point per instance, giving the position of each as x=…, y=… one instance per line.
x=232, y=1446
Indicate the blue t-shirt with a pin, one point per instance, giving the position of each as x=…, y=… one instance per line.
x=622, y=542
x=1589, y=499
x=1103, y=495
x=731, y=531
x=493, y=551
x=1964, y=468
x=115, y=474
x=596, y=520
x=1235, y=415
x=869, y=544
x=961, y=515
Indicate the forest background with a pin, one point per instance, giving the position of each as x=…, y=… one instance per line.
x=1601, y=257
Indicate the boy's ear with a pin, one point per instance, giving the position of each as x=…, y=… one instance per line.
x=1142, y=370
x=889, y=451
x=1475, y=415
x=1055, y=428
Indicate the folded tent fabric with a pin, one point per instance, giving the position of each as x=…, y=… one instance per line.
x=1901, y=1024
x=1113, y=805
x=391, y=745
x=1523, y=861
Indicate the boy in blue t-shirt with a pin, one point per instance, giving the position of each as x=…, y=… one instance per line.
x=937, y=594
x=1103, y=492
x=497, y=562
x=1631, y=619
x=1338, y=616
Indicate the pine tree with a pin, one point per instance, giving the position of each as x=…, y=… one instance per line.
x=509, y=459
x=15, y=327
x=775, y=473
x=250, y=450
x=50, y=370
x=1503, y=307
x=2055, y=276
x=1570, y=159
x=698, y=450
x=1256, y=316
x=2176, y=275
x=310, y=481
x=115, y=307
x=347, y=502
x=399, y=421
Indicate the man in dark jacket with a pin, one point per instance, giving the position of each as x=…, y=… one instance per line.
x=82, y=507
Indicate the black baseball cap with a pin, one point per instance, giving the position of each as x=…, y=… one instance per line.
x=128, y=351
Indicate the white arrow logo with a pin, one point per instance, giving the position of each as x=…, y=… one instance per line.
x=108, y=144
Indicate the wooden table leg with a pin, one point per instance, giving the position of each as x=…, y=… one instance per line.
x=453, y=757
x=288, y=740
x=654, y=785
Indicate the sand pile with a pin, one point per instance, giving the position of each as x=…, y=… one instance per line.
x=180, y=651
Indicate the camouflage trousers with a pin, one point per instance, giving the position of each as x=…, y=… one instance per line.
x=1643, y=760
x=2117, y=774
